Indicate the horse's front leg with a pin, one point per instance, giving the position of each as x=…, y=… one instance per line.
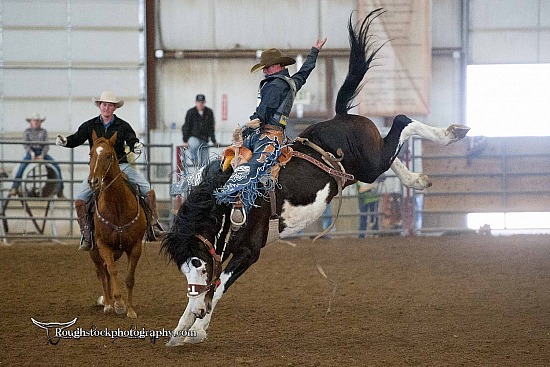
x=101, y=272
x=109, y=259
x=197, y=332
x=186, y=321
x=133, y=259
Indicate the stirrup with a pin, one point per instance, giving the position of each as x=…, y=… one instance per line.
x=237, y=217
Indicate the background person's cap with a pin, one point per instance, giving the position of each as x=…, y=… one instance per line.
x=200, y=98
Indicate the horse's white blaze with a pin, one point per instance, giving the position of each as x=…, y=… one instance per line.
x=98, y=151
x=299, y=217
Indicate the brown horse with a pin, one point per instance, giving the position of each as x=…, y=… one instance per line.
x=120, y=224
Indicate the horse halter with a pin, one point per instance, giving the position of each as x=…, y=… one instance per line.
x=194, y=290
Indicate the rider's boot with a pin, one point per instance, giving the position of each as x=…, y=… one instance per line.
x=85, y=225
x=151, y=200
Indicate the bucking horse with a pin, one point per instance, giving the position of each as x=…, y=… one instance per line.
x=327, y=157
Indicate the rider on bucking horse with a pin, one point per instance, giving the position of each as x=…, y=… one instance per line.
x=264, y=132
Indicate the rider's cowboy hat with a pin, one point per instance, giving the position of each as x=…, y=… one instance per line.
x=36, y=116
x=272, y=57
x=109, y=97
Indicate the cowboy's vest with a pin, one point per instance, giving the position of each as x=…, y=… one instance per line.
x=280, y=117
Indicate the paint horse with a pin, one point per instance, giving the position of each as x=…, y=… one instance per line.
x=201, y=239
x=119, y=225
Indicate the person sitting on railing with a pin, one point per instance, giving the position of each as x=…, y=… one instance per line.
x=35, y=150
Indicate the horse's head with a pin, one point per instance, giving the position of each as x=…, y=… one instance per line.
x=192, y=240
x=203, y=277
x=103, y=160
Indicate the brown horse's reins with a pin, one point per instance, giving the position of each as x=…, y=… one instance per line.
x=194, y=290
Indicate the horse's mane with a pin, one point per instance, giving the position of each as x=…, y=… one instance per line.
x=197, y=215
x=363, y=50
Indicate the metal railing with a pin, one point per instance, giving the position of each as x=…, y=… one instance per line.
x=25, y=216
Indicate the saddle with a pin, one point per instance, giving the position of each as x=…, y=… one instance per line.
x=90, y=208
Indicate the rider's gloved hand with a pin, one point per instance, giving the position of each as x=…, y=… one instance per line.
x=138, y=148
x=253, y=124
x=61, y=140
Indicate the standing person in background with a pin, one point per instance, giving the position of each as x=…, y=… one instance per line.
x=368, y=196
x=32, y=136
x=198, y=128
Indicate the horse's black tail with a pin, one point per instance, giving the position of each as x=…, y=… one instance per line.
x=362, y=52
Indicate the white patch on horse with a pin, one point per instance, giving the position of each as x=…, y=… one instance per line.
x=98, y=151
x=299, y=217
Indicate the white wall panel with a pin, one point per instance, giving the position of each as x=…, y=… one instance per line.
x=35, y=12
x=34, y=46
x=99, y=13
x=188, y=24
x=544, y=13
x=508, y=31
x=545, y=47
x=105, y=46
x=58, y=54
x=90, y=83
x=445, y=97
x=488, y=14
x=446, y=24
x=33, y=83
x=334, y=20
x=252, y=24
x=508, y=47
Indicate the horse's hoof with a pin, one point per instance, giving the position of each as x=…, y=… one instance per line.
x=458, y=132
x=100, y=301
x=107, y=309
x=198, y=337
x=175, y=341
x=131, y=314
x=422, y=182
x=120, y=308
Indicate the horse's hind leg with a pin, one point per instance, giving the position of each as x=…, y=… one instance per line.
x=441, y=135
x=417, y=181
x=133, y=259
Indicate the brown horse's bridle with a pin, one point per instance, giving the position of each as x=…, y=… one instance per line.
x=118, y=229
x=194, y=290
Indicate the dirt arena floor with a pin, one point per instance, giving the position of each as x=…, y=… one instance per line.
x=426, y=301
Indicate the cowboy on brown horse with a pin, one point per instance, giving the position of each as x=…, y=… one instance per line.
x=106, y=125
